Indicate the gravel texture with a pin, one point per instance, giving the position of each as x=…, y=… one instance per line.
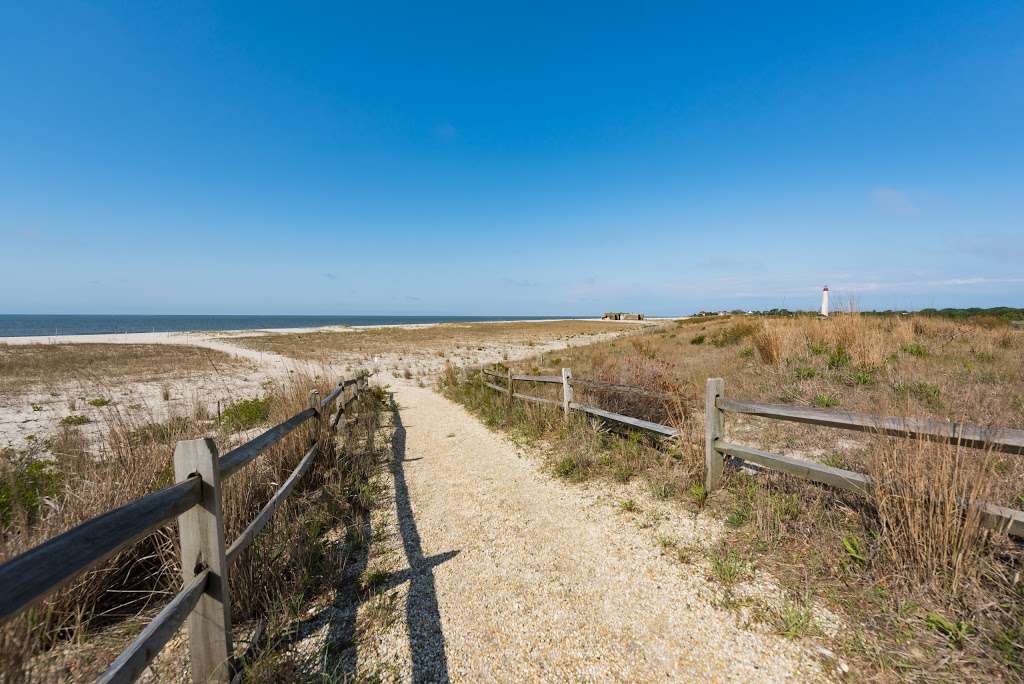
x=516, y=576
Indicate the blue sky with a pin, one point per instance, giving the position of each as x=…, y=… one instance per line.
x=523, y=159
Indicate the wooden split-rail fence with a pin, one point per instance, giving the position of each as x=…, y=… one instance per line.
x=718, y=451
x=195, y=500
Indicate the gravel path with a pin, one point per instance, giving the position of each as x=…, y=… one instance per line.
x=519, y=577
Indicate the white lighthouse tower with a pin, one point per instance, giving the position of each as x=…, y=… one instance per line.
x=824, y=302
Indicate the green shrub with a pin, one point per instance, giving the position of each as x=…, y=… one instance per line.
x=99, y=402
x=928, y=394
x=825, y=400
x=863, y=377
x=915, y=349
x=733, y=333
x=246, y=413
x=25, y=486
x=839, y=358
x=699, y=339
x=74, y=419
x=738, y=516
x=566, y=467
x=818, y=348
x=805, y=373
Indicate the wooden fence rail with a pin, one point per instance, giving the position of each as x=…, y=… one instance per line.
x=195, y=500
x=1008, y=440
x=717, y=450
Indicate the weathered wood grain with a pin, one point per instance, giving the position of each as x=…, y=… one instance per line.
x=808, y=470
x=27, y=578
x=627, y=420
x=1006, y=520
x=539, y=378
x=714, y=426
x=238, y=457
x=201, y=532
x=537, y=400
x=567, y=394
x=999, y=439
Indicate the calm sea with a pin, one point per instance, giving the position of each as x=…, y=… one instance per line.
x=21, y=325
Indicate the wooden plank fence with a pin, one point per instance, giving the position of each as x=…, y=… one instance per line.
x=195, y=501
x=717, y=451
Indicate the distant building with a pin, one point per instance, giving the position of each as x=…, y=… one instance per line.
x=621, y=316
x=824, y=302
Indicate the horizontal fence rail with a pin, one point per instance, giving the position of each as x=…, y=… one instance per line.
x=717, y=450
x=539, y=378
x=568, y=382
x=998, y=439
x=238, y=457
x=1007, y=440
x=31, y=576
x=658, y=428
x=133, y=660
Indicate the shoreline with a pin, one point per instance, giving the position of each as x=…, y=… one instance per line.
x=187, y=337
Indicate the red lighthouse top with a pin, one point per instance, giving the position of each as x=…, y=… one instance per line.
x=826, y=289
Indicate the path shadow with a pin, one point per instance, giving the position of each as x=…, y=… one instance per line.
x=423, y=616
x=340, y=659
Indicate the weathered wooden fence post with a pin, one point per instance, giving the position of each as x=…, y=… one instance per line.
x=314, y=403
x=201, y=531
x=714, y=462
x=511, y=389
x=341, y=406
x=566, y=390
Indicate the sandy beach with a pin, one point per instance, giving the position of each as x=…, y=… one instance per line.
x=234, y=370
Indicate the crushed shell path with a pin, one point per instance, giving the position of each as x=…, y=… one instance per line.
x=519, y=577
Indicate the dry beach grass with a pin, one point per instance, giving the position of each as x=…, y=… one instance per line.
x=406, y=346
x=926, y=593
x=39, y=367
x=77, y=631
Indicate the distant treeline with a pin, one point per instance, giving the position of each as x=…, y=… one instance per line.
x=1007, y=313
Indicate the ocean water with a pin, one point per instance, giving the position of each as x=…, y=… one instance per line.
x=22, y=325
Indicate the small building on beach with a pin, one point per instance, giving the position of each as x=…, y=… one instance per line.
x=621, y=316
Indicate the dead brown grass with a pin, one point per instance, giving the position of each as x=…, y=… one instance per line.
x=135, y=458
x=924, y=531
x=927, y=593
x=50, y=366
x=430, y=339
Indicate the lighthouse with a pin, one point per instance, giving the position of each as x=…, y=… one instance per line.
x=824, y=302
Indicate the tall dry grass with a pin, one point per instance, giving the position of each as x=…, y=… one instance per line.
x=927, y=499
x=135, y=457
x=909, y=562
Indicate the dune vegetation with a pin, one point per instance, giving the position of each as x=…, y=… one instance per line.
x=78, y=630
x=923, y=590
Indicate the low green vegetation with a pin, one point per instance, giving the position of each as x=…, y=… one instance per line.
x=733, y=333
x=24, y=485
x=915, y=349
x=74, y=419
x=246, y=413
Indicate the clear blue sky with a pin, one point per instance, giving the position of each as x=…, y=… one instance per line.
x=169, y=157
